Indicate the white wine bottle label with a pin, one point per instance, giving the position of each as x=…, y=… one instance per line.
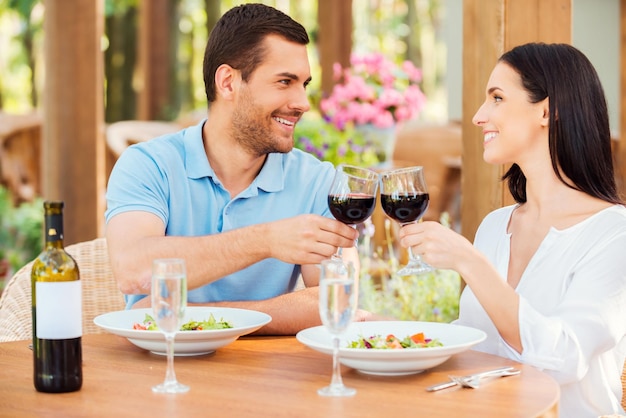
x=59, y=310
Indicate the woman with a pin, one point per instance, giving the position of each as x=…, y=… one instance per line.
x=546, y=277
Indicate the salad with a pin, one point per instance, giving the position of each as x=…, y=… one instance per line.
x=149, y=324
x=392, y=342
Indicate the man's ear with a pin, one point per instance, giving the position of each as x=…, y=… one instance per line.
x=226, y=81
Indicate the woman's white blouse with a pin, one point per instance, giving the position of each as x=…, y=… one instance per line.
x=572, y=313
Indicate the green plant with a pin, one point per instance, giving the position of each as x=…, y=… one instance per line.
x=432, y=297
x=21, y=230
x=322, y=139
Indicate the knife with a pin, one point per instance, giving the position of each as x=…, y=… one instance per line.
x=451, y=383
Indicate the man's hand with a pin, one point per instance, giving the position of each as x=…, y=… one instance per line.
x=308, y=239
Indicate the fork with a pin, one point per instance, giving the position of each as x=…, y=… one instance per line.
x=473, y=381
x=452, y=382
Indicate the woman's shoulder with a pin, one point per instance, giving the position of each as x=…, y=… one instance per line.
x=616, y=210
x=496, y=221
x=500, y=215
x=613, y=216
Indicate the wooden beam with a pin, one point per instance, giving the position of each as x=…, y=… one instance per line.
x=334, y=37
x=491, y=27
x=73, y=143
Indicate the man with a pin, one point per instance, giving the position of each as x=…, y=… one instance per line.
x=231, y=196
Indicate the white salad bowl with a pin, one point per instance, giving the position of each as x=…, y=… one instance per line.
x=394, y=362
x=186, y=343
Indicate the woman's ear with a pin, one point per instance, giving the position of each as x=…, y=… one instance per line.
x=545, y=106
x=226, y=81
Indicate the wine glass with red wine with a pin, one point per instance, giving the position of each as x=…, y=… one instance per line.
x=404, y=198
x=352, y=196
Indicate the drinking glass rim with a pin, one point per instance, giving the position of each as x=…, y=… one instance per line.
x=403, y=170
x=370, y=174
x=169, y=268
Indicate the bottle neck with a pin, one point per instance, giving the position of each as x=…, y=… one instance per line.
x=54, y=230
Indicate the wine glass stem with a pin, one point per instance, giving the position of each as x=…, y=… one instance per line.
x=339, y=254
x=170, y=375
x=336, y=379
x=415, y=258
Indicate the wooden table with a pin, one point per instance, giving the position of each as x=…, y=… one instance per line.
x=263, y=377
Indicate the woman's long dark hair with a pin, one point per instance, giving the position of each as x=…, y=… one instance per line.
x=579, y=132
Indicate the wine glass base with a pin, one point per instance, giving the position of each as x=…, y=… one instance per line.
x=415, y=270
x=170, y=388
x=336, y=391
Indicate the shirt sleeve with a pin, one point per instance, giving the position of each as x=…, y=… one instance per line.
x=589, y=319
x=137, y=184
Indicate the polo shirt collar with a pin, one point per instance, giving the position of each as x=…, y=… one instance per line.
x=196, y=162
x=270, y=179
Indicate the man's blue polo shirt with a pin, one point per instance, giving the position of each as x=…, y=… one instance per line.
x=170, y=176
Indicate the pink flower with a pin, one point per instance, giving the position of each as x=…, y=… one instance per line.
x=373, y=90
x=337, y=70
x=403, y=113
x=414, y=73
x=383, y=120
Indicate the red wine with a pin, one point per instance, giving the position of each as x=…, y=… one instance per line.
x=351, y=209
x=404, y=208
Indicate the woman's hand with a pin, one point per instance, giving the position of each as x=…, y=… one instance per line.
x=438, y=246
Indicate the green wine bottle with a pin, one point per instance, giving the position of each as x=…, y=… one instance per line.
x=56, y=311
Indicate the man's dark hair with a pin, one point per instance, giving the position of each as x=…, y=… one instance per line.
x=237, y=40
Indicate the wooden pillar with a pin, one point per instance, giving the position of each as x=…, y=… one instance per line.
x=73, y=159
x=491, y=27
x=155, y=63
x=334, y=37
x=483, y=43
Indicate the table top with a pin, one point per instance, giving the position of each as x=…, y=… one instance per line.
x=264, y=376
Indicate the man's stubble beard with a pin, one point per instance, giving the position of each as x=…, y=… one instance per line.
x=253, y=130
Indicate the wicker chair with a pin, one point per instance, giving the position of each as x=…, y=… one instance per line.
x=100, y=292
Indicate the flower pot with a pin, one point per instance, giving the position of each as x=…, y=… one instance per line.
x=383, y=140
